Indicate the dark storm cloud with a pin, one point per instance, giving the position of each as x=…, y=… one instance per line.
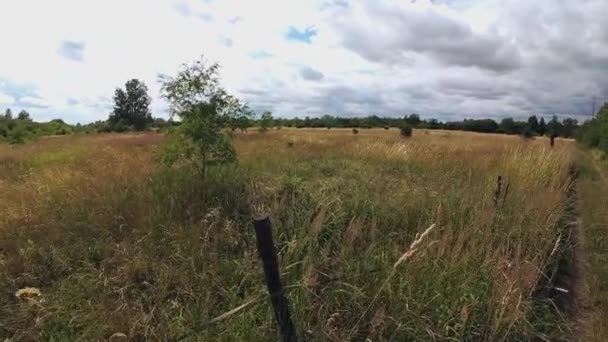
x=540, y=57
x=391, y=34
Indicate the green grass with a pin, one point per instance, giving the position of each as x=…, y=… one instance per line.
x=118, y=244
x=594, y=194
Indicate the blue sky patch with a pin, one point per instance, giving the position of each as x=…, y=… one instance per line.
x=304, y=36
x=17, y=90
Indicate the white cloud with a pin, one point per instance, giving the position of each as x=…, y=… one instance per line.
x=448, y=58
x=6, y=99
x=30, y=101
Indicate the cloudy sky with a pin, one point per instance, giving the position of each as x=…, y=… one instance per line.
x=447, y=59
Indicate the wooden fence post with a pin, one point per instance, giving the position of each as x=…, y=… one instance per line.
x=497, y=191
x=270, y=263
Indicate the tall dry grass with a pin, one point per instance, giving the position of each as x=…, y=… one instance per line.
x=117, y=245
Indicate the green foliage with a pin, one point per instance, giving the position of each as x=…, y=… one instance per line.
x=413, y=120
x=594, y=133
x=16, y=136
x=131, y=107
x=18, y=130
x=8, y=114
x=266, y=121
x=204, y=108
x=24, y=115
x=510, y=126
x=554, y=127
x=542, y=127
x=533, y=124
x=406, y=130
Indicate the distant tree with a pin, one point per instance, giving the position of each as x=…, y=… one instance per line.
x=508, y=125
x=434, y=124
x=131, y=106
x=569, y=126
x=8, y=114
x=328, y=121
x=24, y=116
x=554, y=127
x=413, y=119
x=266, y=121
x=243, y=122
x=542, y=126
x=475, y=125
x=204, y=108
x=533, y=124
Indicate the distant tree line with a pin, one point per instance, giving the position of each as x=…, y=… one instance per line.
x=533, y=126
x=16, y=129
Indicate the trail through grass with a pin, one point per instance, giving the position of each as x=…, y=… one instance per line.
x=594, y=194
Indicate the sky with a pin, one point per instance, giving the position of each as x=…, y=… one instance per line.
x=445, y=59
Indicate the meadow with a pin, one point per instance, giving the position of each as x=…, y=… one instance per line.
x=116, y=243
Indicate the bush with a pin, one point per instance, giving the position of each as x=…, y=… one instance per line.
x=16, y=136
x=406, y=130
x=527, y=133
x=594, y=133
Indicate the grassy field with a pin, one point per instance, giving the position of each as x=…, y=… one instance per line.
x=117, y=244
x=594, y=194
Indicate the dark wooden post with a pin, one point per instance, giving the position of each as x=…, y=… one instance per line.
x=552, y=140
x=270, y=263
x=497, y=191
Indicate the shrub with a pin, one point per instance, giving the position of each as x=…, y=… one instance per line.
x=406, y=130
x=16, y=136
x=527, y=133
x=594, y=133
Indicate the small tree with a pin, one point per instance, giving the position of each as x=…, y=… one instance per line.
x=24, y=116
x=204, y=108
x=131, y=106
x=266, y=121
x=8, y=114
